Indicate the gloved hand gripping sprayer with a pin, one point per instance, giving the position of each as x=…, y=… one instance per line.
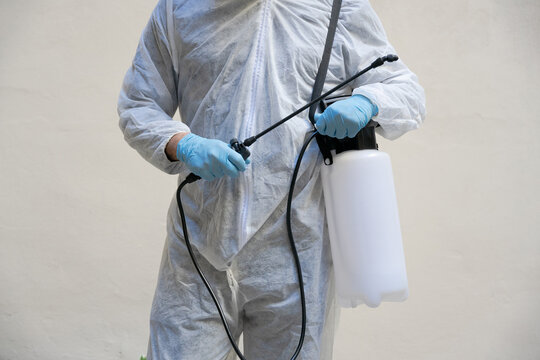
x=361, y=209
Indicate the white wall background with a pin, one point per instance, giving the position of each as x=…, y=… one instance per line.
x=82, y=216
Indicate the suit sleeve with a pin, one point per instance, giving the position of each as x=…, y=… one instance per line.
x=148, y=98
x=392, y=87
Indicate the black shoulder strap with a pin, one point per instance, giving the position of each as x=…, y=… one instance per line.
x=321, y=77
x=323, y=66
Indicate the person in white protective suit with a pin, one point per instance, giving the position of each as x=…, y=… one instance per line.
x=232, y=68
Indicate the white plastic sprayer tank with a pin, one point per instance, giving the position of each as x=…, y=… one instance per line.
x=363, y=224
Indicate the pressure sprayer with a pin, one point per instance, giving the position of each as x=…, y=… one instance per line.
x=361, y=210
x=363, y=222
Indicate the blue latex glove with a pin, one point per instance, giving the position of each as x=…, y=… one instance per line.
x=346, y=117
x=209, y=158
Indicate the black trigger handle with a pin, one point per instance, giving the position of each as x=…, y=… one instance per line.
x=240, y=148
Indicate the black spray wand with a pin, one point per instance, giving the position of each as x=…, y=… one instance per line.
x=241, y=148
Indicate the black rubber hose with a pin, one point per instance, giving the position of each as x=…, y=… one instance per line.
x=293, y=246
x=203, y=278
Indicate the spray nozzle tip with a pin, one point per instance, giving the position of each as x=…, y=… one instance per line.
x=383, y=59
x=391, y=57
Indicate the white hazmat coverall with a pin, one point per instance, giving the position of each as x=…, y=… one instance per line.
x=232, y=68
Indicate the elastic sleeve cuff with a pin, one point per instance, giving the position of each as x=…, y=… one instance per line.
x=394, y=119
x=160, y=158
